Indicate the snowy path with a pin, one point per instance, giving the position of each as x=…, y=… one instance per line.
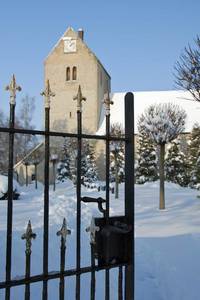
x=167, y=242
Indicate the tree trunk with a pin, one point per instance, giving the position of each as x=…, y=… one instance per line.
x=162, y=177
x=36, y=176
x=116, y=186
x=54, y=176
x=116, y=179
x=26, y=175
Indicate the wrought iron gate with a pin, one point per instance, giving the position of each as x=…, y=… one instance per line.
x=111, y=238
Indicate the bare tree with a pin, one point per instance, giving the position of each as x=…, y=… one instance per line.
x=163, y=123
x=188, y=70
x=25, y=142
x=3, y=145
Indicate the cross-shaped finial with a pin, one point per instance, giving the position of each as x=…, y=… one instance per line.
x=12, y=88
x=63, y=232
x=92, y=229
x=107, y=102
x=79, y=97
x=47, y=93
x=28, y=235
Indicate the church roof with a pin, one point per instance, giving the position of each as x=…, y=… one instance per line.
x=143, y=99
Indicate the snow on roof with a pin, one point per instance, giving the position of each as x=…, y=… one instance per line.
x=143, y=99
x=28, y=155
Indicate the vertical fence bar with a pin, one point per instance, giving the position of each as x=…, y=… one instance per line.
x=92, y=229
x=107, y=103
x=129, y=190
x=46, y=207
x=79, y=99
x=47, y=94
x=93, y=280
x=120, y=284
x=78, y=193
x=107, y=168
x=10, y=202
x=107, y=275
x=63, y=232
x=12, y=88
x=28, y=236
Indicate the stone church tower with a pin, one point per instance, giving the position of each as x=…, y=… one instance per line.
x=70, y=64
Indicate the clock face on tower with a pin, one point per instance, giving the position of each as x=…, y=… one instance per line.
x=69, y=45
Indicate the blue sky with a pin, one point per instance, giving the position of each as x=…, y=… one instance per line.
x=138, y=42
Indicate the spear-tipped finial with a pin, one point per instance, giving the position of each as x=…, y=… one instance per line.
x=107, y=102
x=92, y=229
x=64, y=231
x=28, y=236
x=47, y=93
x=79, y=97
x=13, y=88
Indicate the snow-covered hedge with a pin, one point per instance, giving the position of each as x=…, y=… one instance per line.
x=4, y=188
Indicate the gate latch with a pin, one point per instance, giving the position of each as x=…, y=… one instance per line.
x=99, y=201
x=111, y=241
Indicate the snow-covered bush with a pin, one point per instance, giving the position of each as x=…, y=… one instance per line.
x=163, y=122
x=4, y=188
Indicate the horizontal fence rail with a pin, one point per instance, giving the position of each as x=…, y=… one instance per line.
x=57, y=274
x=64, y=134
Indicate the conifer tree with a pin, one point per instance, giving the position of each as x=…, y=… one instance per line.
x=176, y=166
x=146, y=169
x=63, y=167
x=117, y=158
x=117, y=162
x=194, y=156
x=89, y=165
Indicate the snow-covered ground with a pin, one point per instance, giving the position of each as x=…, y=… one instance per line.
x=167, y=242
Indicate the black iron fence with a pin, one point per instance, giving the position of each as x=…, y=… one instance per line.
x=111, y=238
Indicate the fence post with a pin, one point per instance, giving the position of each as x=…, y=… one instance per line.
x=107, y=102
x=129, y=190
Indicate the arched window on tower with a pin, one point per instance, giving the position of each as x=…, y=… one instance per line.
x=68, y=74
x=74, y=73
